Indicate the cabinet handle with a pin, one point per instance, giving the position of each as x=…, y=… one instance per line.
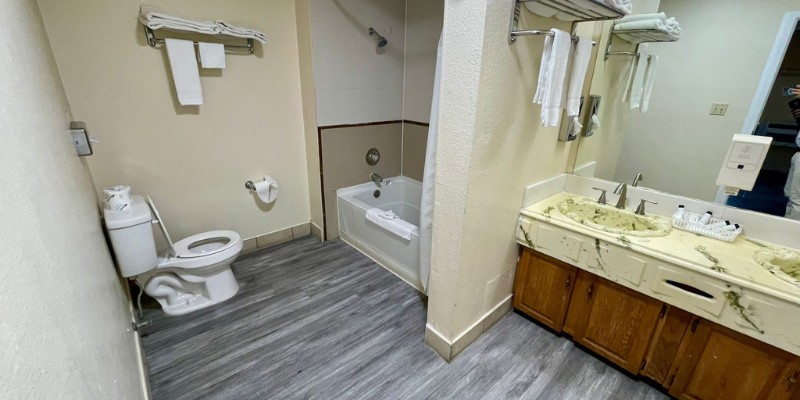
x=590, y=290
x=569, y=281
x=793, y=378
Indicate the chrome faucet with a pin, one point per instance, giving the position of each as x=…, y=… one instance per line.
x=622, y=191
x=602, y=198
x=640, y=209
x=638, y=178
x=376, y=178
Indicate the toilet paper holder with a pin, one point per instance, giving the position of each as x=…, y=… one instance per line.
x=250, y=185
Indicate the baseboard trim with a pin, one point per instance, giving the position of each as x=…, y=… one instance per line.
x=449, y=349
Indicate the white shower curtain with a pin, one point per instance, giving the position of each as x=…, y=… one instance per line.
x=426, y=205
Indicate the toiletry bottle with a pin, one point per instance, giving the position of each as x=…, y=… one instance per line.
x=731, y=228
x=719, y=224
x=705, y=218
x=679, y=214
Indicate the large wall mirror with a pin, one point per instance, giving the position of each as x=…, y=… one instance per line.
x=721, y=57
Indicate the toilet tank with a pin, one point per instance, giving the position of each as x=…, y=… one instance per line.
x=131, y=237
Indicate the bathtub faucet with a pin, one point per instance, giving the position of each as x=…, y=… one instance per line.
x=376, y=178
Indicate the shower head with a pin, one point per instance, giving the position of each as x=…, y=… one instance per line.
x=381, y=40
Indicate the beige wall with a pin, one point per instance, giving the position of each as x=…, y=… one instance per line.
x=64, y=329
x=303, y=15
x=491, y=145
x=423, y=26
x=344, y=163
x=193, y=161
x=355, y=81
x=719, y=58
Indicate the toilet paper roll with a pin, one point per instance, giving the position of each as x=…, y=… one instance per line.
x=118, y=198
x=267, y=189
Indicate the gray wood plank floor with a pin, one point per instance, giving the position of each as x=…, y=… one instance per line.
x=322, y=321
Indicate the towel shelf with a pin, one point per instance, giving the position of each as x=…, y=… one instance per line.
x=639, y=33
x=153, y=41
x=513, y=33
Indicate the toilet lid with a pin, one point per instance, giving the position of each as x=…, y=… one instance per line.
x=206, y=243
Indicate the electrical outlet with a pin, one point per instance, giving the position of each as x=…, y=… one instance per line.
x=718, y=109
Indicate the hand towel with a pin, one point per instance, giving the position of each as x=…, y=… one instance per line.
x=183, y=62
x=580, y=63
x=649, y=79
x=635, y=98
x=155, y=18
x=552, y=74
x=212, y=55
x=238, y=31
x=391, y=223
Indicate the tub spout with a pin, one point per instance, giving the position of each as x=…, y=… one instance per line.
x=376, y=178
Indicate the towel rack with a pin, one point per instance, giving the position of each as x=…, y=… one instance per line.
x=635, y=52
x=513, y=33
x=153, y=41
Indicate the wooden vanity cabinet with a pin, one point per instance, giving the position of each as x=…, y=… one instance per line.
x=612, y=320
x=719, y=363
x=543, y=287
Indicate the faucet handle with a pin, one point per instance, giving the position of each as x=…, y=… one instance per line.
x=602, y=199
x=640, y=209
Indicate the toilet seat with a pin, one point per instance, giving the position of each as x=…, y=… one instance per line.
x=205, y=244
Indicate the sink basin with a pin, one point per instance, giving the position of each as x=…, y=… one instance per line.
x=783, y=263
x=612, y=220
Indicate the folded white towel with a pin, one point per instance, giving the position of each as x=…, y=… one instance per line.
x=649, y=79
x=660, y=28
x=580, y=63
x=635, y=98
x=391, y=223
x=238, y=31
x=183, y=62
x=639, y=17
x=590, y=9
x=155, y=18
x=623, y=6
x=552, y=74
x=212, y=55
x=540, y=9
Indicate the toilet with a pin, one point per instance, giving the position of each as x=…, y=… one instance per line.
x=188, y=275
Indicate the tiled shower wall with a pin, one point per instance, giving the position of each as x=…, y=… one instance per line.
x=401, y=144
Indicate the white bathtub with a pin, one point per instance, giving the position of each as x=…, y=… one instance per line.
x=399, y=194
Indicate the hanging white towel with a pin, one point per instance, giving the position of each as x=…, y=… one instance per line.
x=635, y=99
x=649, y=79
x=552, y=74
x=155, y=18
x=212, y=55
x=580, y=63
x=392, y=223
x=183, y=62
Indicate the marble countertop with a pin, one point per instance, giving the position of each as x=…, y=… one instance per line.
x=733, y=262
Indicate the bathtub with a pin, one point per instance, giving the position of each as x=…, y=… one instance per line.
x=399, y=194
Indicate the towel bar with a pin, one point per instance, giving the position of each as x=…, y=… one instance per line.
x=153, y=41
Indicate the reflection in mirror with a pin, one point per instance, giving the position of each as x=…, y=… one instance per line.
x=676, y=142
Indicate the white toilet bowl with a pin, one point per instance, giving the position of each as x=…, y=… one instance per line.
x=189, y=275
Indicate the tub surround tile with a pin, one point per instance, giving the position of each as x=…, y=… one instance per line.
x=415, y=142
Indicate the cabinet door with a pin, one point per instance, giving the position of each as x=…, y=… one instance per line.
x=666, y=344
x=611, y=320
x=723, y=364
x=542, y=288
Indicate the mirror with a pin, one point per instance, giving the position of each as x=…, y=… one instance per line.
x=675, y=142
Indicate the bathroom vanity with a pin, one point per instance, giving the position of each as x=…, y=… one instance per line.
x=698, y=316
